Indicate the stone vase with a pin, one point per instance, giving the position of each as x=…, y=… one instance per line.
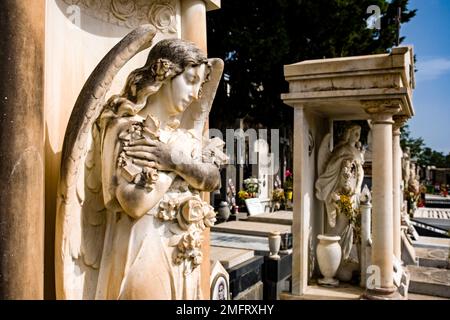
x=274, y=245
x=224, y=211
x=329, y=255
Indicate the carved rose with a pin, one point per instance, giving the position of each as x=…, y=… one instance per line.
x=92, y=4
x=192, y=211
x=209, y=215
x=150, y=176
x=196, y=214
x=123, y=9
x=168, y=210
x=162, y=69
x=162, y=16
x=189, y=249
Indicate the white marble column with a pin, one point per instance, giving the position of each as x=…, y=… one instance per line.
x=397, y=180
x=382, y=197
x=193, y=22
x=193, y=28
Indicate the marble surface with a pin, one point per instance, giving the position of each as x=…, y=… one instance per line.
x=432, y=213
x=433, y=257
x=432, y=242
x=230, y=257
x=279, y=217
x=221, y=239
x=430, y=281
x=315, y=292
x=251, y=228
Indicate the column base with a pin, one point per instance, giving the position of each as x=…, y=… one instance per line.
x=382, y=294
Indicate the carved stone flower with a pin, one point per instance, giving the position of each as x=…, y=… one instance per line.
x=168, y=209
x=150, y=176
x=162, y=16
x=209, y=215
x=92, y=4
x=162, y=69
x=123, y=9
x=189, y=250
x=192, y=211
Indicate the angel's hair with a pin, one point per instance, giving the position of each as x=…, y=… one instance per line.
x=347, y=133
x=166, y=60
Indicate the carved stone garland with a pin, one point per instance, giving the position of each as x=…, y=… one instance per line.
x=131, y=13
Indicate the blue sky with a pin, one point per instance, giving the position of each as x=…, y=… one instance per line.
x=429, y=32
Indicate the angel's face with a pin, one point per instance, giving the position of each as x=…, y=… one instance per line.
x=355, y=135
x=185, y=88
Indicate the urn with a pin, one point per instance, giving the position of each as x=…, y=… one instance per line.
x=274, y=245
x=224, y=211
x=329, y=255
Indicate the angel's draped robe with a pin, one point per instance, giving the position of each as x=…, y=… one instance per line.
x=138, y=258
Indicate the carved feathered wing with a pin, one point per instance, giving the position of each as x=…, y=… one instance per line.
x=323, y=154
x=80, y=218
x=197, y=113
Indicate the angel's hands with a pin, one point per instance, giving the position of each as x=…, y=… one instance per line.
x=151, y=154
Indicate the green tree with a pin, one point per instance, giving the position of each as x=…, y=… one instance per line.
x=416, y=145
x=424, y=155
x=256, y=38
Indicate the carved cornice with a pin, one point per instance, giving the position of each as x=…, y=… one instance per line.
x=131, y=13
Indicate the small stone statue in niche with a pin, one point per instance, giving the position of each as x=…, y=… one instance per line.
x=339, y=185
x=130, y=215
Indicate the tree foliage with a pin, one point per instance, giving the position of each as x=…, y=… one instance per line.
x=424, y=155
x=256, y=38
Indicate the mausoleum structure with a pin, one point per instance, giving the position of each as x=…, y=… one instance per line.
x=377, y=88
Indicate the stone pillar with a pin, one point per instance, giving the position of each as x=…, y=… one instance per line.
x=193, y=28
x=22, y=149
x=382, y=197
x=300, y=223
x=397, y=182
x=193, y=22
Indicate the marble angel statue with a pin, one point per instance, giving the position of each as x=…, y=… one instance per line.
x=339, y=184
x=130, y=215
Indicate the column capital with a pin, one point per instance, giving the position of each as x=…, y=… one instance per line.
x=382, y=106
x=381, y=111
x=399, y=122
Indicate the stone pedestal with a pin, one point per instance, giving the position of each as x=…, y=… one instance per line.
x=275, y=275
x=22, y=149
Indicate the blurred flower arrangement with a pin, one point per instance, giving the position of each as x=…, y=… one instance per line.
x=288, y=184
x=278, y=198
x=231, y=196
x=444, y=190
x=243, y=195
x=278, y=195
x=289, y=180
x=251, y=186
